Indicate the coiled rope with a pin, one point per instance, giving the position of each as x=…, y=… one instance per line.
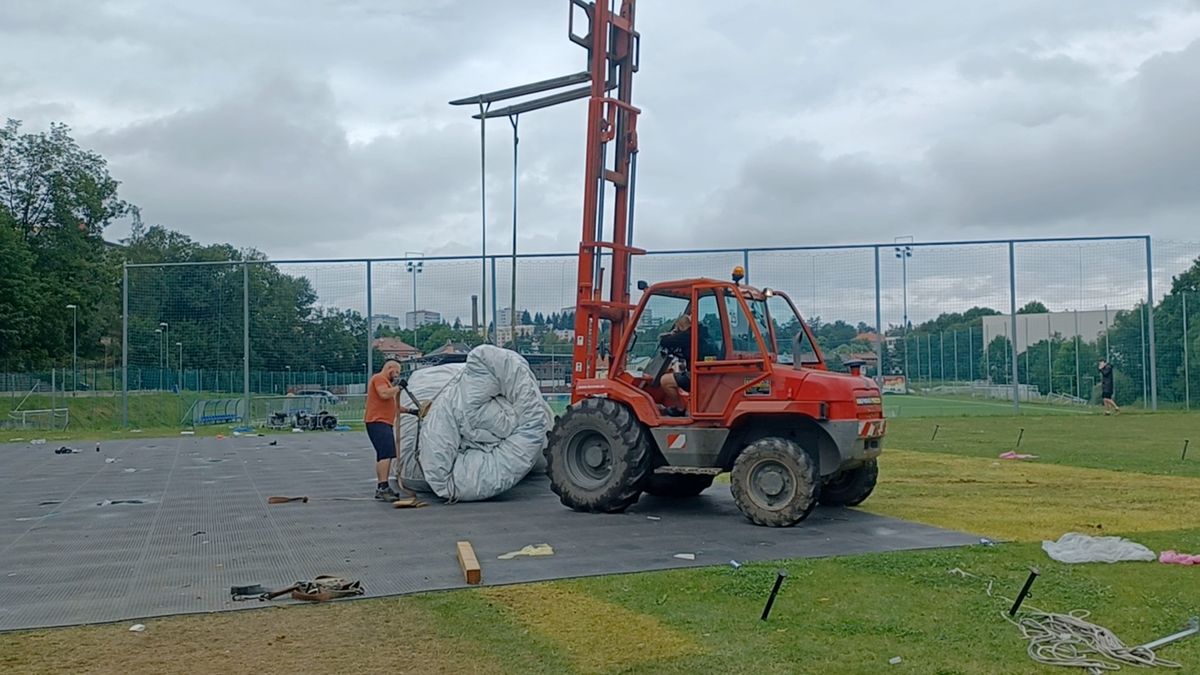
x=1069, y=640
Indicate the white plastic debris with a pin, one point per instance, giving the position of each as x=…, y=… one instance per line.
x=109, y=460
x=531, y=551
x=895, y=661
x=137, y=628
x=653, y=518
x=1074, y=547
x=187, y=433
x=686, y=556
x=38, y=441
x=735, y=564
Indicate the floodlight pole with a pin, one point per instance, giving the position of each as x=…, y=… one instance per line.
x=74, y=348
x=483, y=109
x=514, y=120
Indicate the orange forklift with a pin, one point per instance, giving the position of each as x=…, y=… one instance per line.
x=705, y=376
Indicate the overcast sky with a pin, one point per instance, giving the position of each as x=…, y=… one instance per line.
x=320, y=128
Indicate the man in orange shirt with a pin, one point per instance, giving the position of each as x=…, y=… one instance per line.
x=380, y=415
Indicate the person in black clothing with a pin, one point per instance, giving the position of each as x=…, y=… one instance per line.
x=1106, y=387
x=678, y=340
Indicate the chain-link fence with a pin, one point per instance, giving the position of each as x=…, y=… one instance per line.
x=949, y=327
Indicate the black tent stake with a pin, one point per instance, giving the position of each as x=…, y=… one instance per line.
x=1033, y=573
x=774, y=591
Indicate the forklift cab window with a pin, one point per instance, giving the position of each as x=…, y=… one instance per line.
x=711, y=339
x=656, y=318
x=741, y=334
x=787, y=325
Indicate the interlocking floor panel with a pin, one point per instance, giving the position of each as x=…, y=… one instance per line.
x=72, y=552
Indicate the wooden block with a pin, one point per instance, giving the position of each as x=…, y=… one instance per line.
x=469, y=563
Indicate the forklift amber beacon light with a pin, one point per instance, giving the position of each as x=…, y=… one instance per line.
x=739, y=273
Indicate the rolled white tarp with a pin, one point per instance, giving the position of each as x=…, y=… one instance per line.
x=426, y=384
x=485, y=430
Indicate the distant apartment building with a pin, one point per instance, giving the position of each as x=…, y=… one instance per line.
x=385, y=321
x=421, y=317
x=504, y=317
x=504, y=332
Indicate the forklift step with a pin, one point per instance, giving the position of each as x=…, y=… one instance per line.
x=689, y=470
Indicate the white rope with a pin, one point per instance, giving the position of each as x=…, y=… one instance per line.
x=1071, y=641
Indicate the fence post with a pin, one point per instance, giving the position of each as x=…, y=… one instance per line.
x=1049, y=357
x=371, y=328
x=942, y=357
x=496, y=313
x=245, y=341
x=1145, y=377
x=125, y=345
x=1187, y=387
x=1150, y=323
x=957, y=379
x=971, y=353
x=1012, y=306
x=746, y=265
x=878, y=324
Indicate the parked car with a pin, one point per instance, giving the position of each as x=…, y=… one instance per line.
x=326, y=397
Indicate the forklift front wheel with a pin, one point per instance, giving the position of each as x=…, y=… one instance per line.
x=597, y=457
x=775, y=482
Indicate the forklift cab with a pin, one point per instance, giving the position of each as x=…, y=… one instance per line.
x=736, y=334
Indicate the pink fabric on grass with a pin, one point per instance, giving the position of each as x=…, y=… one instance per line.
x=1016, y=455
x=1173, y=558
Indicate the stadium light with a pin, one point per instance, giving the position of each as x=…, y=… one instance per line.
x=904, y=253
x=414, y=268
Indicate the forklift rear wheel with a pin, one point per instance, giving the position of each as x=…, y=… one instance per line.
x=597, y=457
x=851, y=487
x=775, y=482
x=676, y=485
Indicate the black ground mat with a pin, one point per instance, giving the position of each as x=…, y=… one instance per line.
x=167, y=526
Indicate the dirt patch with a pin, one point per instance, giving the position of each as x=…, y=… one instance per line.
x=1026, y=500
x=594, y=634
x=366, y=636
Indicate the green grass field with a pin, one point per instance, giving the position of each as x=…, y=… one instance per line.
x=1099, y=475
x=901, y=405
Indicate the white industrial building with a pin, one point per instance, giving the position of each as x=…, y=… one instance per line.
x=385, y=321
x=1033, y=328
x=421, y=317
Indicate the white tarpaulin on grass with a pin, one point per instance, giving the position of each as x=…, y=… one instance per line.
x=485, y=430
x=1074, y=547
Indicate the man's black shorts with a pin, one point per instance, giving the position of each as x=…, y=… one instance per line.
x=383, y=440
x=1106, y=393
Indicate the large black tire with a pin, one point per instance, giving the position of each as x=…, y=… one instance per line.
x=598, y=457
x=775, y=482
x=851, y=487
x=676, y=485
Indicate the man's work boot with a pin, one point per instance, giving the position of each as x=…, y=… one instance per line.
x=385, y=493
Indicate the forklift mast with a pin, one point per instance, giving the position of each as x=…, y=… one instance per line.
x=613, y=47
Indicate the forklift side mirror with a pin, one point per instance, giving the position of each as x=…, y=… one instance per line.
x=642, y=285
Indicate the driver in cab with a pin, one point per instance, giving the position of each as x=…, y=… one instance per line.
x=677, y=341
